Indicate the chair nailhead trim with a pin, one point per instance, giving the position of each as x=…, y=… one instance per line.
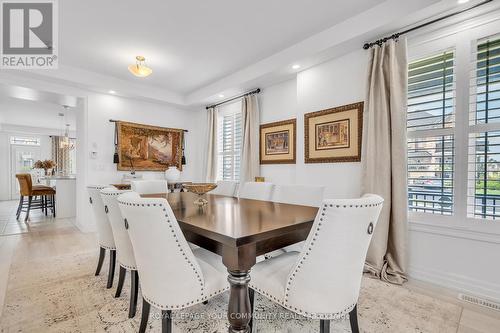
x=196, y=270
x=284, y=302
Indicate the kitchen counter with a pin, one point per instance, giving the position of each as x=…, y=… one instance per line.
x=65, y=194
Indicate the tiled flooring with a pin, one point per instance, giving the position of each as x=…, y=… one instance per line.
x=38, y=238
x=10, y=226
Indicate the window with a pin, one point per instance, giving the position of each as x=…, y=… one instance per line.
x=430, y=122
x=229, y=133
x=16, y=140
x=484, y=132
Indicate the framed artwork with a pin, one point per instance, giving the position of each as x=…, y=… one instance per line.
x=148, y=148
x=334, y=135
x=278, y=142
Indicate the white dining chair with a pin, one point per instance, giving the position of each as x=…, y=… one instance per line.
x=256, y=191
x=225, y=187
x=150, y=186
x=124, y=250
x=304, y=195
x=323, y=281
x=173, y=277
x=104, y=233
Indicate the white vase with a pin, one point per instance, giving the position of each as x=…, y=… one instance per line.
x=172, y=174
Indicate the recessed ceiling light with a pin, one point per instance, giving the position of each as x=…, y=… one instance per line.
x=221, y=96
x=112, y=92
x=462, y=1
x=296, y=66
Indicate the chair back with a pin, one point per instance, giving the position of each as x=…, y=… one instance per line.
x=326, y=278
x=170, y=275
x=150, y=186
x=299, y=195
x=124, y=249
x=225, y=187
x=104, y=231
x=25, y=184
x=256, y=191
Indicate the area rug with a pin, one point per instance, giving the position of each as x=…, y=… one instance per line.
x=60, y=294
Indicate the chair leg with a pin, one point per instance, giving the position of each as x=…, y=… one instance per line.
x=102, y=254
x=251, y=294
x=166, y=321
x=134, y=291
x=45, y=203
x=121, y=279
x=144, y=316
x=324, y=326
x=353, y=319
x=53, y=198
x=111, y=271
x=30, y=198
x=20, y=207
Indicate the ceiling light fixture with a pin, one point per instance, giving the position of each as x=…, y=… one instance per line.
x=140, y=69
x=221, y=96
x=112, y=92
x=296, y=66
x=462, y=1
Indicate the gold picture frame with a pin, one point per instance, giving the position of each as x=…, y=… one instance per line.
x=334, y=135
x=148, y=148
x=278, y=142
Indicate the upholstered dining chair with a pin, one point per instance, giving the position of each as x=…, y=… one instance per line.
x=104, y=233
x=298, y=195
x=124, y=250
x=256, y=191
x=323, y=281
x=225, y=187
x=173, y=276
x=38, y=196
x=149, y=186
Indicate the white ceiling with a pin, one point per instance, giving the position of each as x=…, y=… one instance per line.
x=200, y=49
x=189, y=43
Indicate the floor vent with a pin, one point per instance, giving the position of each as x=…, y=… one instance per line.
x=480, y=301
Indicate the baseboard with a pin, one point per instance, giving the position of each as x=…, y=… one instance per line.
x=458, y=283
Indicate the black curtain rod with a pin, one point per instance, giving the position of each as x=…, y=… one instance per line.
x=381, y=41
x=115, y=121
x=255, y=91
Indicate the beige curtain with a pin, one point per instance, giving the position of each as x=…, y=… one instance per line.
x=61, y=156
x=211, y=164
x=250, y=118
x=384, y=158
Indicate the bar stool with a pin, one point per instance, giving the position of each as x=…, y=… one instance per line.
x=39, y=196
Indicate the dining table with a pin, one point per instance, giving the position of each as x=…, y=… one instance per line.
x=239, y=230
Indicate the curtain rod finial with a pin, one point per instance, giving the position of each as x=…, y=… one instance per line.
x=366, y=46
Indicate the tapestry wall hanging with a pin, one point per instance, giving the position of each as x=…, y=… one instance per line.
x=148, y=148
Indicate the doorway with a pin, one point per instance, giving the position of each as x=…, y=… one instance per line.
x=23, y=158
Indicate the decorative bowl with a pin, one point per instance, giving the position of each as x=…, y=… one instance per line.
x=200, y=189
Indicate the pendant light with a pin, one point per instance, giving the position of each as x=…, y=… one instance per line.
x=140, y=69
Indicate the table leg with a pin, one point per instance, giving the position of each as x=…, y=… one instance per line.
x=239, y=310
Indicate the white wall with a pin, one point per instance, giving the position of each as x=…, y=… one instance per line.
x=464, y=261
x=334, y=83
x=97, y=134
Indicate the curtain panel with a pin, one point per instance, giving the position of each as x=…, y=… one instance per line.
x=250, y=116
x=384, y=158
x=211, y=163
x=61, y=155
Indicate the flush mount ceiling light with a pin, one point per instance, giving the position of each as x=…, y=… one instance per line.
x=112, y=92
x=140, y=69
x=462, y=1
x=296, y=66
x=221, y=95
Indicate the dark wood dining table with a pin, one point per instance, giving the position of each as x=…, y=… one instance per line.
x=239, y=230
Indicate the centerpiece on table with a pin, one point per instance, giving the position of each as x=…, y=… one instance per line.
x=46, y=165
x=200, y=189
